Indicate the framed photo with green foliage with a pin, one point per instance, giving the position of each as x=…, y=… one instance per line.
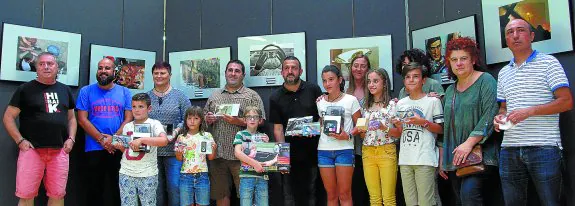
x=199, y=72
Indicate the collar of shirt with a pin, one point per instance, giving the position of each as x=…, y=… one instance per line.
x=302, y=85
x=529, y=59
x=239, y=91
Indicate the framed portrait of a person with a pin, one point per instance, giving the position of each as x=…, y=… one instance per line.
x=433, y=41
x=549, y=20
x=340, y=52
x=263, y=56
x=21, y=46
x=133, y=67
x=199, y=72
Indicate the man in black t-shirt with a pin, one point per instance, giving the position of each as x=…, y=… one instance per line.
x=46, y=135
x=297, y=98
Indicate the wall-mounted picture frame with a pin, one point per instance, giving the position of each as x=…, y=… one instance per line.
x=21, y=46
x=433, y=41
x=198, y=73
x=263, y=56
x=340, y=52
x=549, y=19
x=133, y=67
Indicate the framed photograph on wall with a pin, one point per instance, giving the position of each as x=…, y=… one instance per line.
x=133, y=67
x=340, y=53
x=433, y=41
x=199, y=72
x=549, y=19
x=263, y=56
x=21, y=46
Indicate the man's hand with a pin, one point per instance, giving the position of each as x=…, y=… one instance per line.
x=106, y=143
x=232, y=120
x=25, y=145
x=210, y=118
x=519, y=115
x=68, y=144
x=497, y=120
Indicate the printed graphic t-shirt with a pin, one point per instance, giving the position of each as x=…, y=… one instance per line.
x=43, y=112
x=194, y=162
x=350, y=105
x=417, y=144
x=144, y=164
x=105, y=109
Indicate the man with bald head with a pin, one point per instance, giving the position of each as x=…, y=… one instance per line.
x=47, y=132
x=532, y=90
x=103, y=110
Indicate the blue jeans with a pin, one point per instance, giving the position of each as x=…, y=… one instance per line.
x=194, y=186
x=169, y=181
x=253, y=186
x=469, y=190
x=542, y=164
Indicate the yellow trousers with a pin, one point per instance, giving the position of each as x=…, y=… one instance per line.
x=380, y=171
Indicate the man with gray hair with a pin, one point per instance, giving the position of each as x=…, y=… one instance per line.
x=47, y=133
x=532, y=90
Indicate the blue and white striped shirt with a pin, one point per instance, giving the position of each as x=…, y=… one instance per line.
x=530, y=84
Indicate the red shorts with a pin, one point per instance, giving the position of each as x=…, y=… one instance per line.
x=30, y=170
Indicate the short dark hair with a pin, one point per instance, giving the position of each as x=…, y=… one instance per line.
x=237, y=61
x=162, y=64
x=414, y=55
x=412, y=66
x=143, y=97
x=291, y=58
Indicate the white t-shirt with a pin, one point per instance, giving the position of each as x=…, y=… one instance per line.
x=144, y=164
x=417, y=144
x=350, y=105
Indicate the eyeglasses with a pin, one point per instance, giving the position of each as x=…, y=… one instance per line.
x=252, y=118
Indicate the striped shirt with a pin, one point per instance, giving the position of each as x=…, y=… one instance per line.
x=530, y=84
x=223, y=132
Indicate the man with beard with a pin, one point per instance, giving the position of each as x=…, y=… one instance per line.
x=103, y=110
x=226, y=166
x=297, y=98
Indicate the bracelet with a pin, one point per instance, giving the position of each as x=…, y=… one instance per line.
x=426, y=124
x=73, y=141
x=21, y=140
x=386, y=130
x=101, y=138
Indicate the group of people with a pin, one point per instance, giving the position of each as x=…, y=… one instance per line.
x=436, y=131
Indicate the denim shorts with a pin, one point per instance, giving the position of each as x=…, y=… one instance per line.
x=332, y=158
x=194, y=186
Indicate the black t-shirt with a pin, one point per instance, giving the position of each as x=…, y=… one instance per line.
x=43, y=112
x=285, y=104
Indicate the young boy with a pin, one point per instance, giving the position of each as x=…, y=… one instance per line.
x=253, y=185
x=139, y=169
x=422, y=118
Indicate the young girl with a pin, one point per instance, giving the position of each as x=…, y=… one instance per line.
x=379, y=151
x=421, y=117
x=252, y=184
x=194, y=179
x=335, y=150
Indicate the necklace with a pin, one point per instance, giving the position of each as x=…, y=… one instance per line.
x=341, y=93
x=161, y=98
